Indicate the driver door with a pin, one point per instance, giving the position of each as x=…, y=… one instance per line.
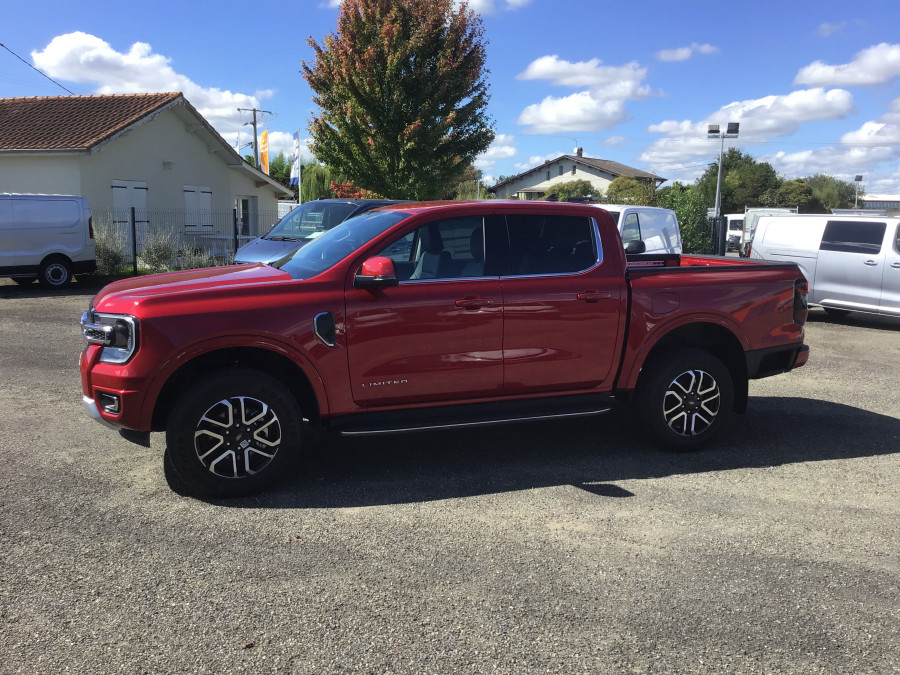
x=437, y=335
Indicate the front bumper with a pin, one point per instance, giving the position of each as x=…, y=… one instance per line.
x=93, y=411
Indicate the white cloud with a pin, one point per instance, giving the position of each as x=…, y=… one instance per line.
x=615, y=141
x=876, y=65
x=83, y=58
x=578, y=112
x=828, y=29
x=503, y=147
x=537, y=160
x=760, y=119
x=684, y=53
x=860, y=151
x=490, y=6
x=600, y=106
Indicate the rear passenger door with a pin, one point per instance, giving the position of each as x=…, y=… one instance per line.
x=563, y=306
x=851, y=261
x=890, y=285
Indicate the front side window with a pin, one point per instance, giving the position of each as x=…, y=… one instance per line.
x=550, y=244
x=853, y=237
x=452, y=248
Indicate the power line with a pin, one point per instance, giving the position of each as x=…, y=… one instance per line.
x=35, y=69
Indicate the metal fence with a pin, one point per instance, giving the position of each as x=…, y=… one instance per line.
x=160, y=240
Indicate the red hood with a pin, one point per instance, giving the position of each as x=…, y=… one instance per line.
x=192, y=281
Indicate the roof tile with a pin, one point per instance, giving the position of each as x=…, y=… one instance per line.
x=72, y=122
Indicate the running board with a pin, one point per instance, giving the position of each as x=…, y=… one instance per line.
x=461, y=417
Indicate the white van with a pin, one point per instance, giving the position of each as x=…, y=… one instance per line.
x=852, y=263
x=45, y=237
x=735, y=229
x=751, y=216
x=657, y=228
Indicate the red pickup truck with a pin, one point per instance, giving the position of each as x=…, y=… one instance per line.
x=427, y=316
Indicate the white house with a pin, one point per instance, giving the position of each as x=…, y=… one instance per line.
x=534, y=183
x=153, y=152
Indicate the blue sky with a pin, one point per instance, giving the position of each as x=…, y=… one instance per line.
x=814, y=85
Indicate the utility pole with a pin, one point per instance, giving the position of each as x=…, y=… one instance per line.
x=255, y=137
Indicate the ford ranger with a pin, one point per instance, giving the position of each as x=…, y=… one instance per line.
x=428, y=316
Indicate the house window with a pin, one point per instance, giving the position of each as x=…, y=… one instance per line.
x=197, y=206
x=573, y=169
x=560, y=170
x=548, y=175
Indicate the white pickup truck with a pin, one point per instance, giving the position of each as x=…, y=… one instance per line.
x=656, y=227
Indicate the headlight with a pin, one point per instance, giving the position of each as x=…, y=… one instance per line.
x=118, y=333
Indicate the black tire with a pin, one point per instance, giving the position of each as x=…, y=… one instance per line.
x=55, y=272
x=684, y=398
x=836, y=313
x=24, y=281
x=234, y=434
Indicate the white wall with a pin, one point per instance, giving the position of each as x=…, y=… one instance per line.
x=536, y=181
x=58, y=174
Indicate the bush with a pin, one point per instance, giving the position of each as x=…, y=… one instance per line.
x=158, y=251
x=193, y=258
x=111, y=255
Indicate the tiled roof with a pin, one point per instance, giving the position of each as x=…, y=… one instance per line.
x=72, y=122
x=606, y=165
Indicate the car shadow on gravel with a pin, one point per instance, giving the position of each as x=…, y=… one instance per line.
x=591, y=455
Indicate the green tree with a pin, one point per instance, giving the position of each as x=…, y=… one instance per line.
x=745, y=182
x=280, y=168
x=402, y=95
x=797, y=193
x=316, y=180
x=573, y=188
x=832, y=193
x=690, y=209
x=629, y=190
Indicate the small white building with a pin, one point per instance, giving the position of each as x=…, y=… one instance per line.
x=153, y=152
x=534, y=183
x=890, y=204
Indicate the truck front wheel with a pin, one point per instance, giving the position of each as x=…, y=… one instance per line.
x=234, y=434
x=684, y=398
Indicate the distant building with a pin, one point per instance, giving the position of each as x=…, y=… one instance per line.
x=890, y=204
x=534, y=183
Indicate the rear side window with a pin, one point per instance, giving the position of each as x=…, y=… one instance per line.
x=853, y=237
x=550, y=244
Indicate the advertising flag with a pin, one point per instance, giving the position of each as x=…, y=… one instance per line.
x=264, y=151
x=295, y=160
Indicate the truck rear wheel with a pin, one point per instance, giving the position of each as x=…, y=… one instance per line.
x=684, y=398
x=234, y=434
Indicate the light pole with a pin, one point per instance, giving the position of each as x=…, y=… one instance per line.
x=857, y=180
x=713, y=132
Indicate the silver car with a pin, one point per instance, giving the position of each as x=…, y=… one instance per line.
x=303, y=224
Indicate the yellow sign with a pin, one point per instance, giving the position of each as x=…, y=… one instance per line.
x=264, y=151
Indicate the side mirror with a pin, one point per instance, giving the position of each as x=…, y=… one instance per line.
x=635, y=246
x=377, y=272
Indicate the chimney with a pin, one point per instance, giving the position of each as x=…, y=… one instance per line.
x=578, y=151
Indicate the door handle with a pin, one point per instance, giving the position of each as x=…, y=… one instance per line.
x=592, y=296
x=474, y=303
x=870, y=263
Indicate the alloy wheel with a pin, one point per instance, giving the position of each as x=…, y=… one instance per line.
x=691, y=403
x=237, y=437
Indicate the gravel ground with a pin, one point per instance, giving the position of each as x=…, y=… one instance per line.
x=551, y=547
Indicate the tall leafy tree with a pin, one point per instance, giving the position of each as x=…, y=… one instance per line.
x=745, y=182
x=402, y=94
x=833, y=193
x=687, y=203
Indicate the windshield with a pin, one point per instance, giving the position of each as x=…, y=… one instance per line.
x=338, y=243
x=311, y=219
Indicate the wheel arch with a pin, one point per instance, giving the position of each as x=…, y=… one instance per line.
x=270, y=362
x=715, y=339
